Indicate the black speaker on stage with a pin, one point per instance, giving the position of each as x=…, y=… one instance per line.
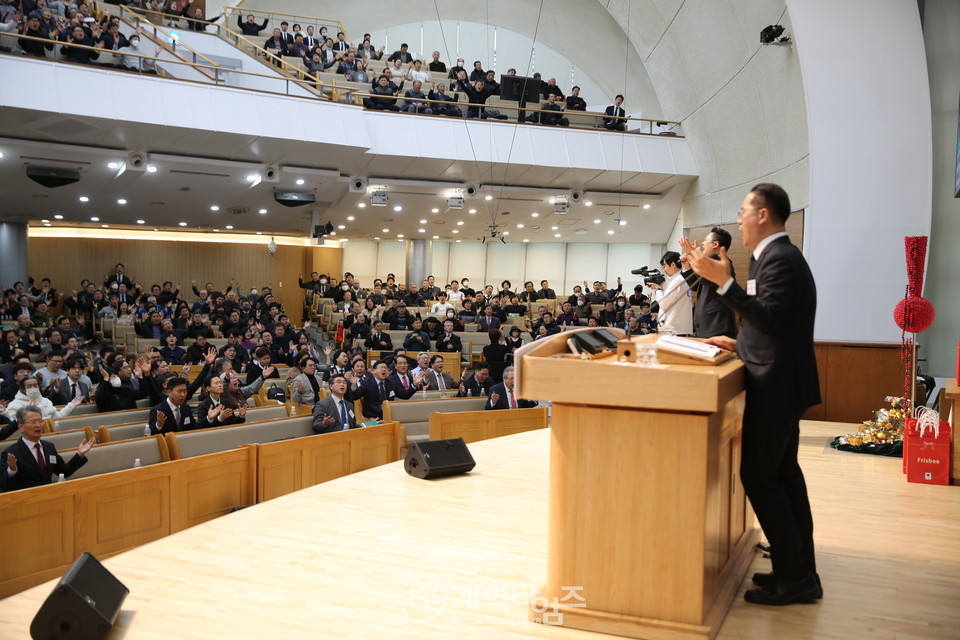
x=438, y=458
x=83, y=605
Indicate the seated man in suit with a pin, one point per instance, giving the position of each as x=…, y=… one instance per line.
x=30, y=462
x=439, y=380
x=447, y=342
x=403, y=377
x=614, y=123
x=379, y=388
x=76, y=384
x=575, y=102
x=418, y=339
x=478, y=384
x=378, y=340
x=259, y=364
x=502, y=395
x=173, y=414
x=334, y=413
x=554, y=115
x=488, y=321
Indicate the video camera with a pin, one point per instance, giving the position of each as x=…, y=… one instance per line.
x=650, y=276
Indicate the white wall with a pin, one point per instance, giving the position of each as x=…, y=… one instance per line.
x=868, y=106
x=562, y=264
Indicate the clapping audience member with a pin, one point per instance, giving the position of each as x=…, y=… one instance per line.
x=382, y=98
x=479, y=384
x=30, y=395
x=307, y=385
x=503, y=395
x=218, y=408
x=414, y=100
x=31, y=462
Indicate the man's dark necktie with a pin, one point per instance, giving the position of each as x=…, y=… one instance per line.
x=383, y=394
x=753, y=267
x=73, y=394
x=40, y=461
x=343, y=415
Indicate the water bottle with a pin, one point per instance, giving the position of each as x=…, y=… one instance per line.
x=423, y=394
x=136, y=463
x=146, y=430
x=60, y=478
x=293, y=411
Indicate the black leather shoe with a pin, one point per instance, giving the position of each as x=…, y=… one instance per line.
x=779, y=594
x=769, y=579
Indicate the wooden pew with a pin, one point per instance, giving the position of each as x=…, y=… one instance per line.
x=473, y=426
x=117, y=456
x=96, y=420
x=414, y=415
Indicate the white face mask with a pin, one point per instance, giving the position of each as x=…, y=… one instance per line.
x=114, y=286
x=465, y=283
x=621, y=303
x=450, y=314
x=323, y=281
x=345, y=287
x=33, y=394
x=579, y=303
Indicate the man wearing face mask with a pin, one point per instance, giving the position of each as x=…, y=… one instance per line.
x=132, y=62
x=465, y=288
x=582, y=310
x=112, y=394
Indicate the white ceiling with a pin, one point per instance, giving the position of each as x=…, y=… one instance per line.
x=199, y=169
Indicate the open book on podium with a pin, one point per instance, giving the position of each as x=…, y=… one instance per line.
x=647, y=518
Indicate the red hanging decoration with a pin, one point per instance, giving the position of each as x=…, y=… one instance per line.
x=914, y=313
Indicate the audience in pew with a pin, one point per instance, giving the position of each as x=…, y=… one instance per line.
x=32, y=462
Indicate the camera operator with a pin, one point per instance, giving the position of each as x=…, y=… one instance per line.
x=673, y=296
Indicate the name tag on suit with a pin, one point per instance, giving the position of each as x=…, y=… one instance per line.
x=751, y=287
x=53, y=460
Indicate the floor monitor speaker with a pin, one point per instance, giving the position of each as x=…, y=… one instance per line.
x=438, y=458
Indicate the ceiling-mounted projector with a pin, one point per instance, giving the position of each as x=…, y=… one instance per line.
x=294, y=198
x=52, y=177
x=379, y=198
x=455, y=202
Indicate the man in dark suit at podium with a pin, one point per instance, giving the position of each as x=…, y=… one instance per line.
x=776, y=345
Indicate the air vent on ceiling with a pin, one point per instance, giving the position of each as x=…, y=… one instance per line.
x=238, y=211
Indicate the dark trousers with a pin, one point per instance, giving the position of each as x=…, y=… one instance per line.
x=773, y=481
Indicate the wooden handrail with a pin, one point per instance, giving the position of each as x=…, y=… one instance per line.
x=286, y=66
x=317, y=21
x=163, y=30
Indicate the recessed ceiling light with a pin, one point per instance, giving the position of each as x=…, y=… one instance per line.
x=300, y=180
x=610, y=232
x=48, y=224
x=376, y=237
x=554, y=228
x=216, y=230
x=556, y=235
x=263, y=210
x=506, y=233
x=434, y=210
x=259, y=233
x=398, y=208
x=151, y=168
x=472, y=211
x=488, y=198
x=552, y=201
x=458, y=241
x=526, y=239
x=423, y=222
x=344, y=239
x=105, y=226
x=121, y=201
x=588, y=203
x=436, y=237
x=228, y=227
x=350, y=218
x=341, y=226
x=183, y=224
x=214, y=207
x=597, y=221
x=141, y=221
x=399, y=235
x=155, y=229
x=45, y=220
x=361, y=205
x=112, y=165
x=459, y=223
x=421, y=230
x=534, y=215
x=646, y=206
x=58, y=217
x=456, y=231
x=386, y=230
x=622, y=223
x=520, y=226
x=84, y=199
x=94, y=219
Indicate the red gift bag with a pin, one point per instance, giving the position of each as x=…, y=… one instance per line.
x=926, y=450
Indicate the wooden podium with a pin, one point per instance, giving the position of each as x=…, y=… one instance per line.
x=650, y=533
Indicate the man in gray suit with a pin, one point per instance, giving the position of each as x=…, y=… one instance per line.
x=76, y=384
x=439, y=380
x=336, y=412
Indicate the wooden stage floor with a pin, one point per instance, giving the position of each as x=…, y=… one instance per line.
x=382, y=555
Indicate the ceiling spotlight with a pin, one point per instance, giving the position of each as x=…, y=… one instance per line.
x=214, y=207
x=105, y=226
x=609, y=232
x=398, y=208
x=456, y=231
x=341, y=226
x=399, y=235
x=228, y=227
x=520, y=226
x=300, y=181
x=84, y=199
x=44, y=220
x=588, y=203
x=552, y=200
x=183, y=224
x=112, y=165
x=151, y=168
x=216, y=230
x=597, y=221
x=350, y=218
x=421, y=230
x=386, y=230
x=47, y=224
x=459, y=223
x=252, y=177
x=458, y=241
x=526, y=239
x=621, y=222
x=556, y=235
x=259, y=233
x=263, y=210
x=376, y=237
x=121, y=201
x=58, y=217
x=646, y=206
x=506, y=233
x=554, y=228
x=423, y=222
x=436, y=237
x=94, y=219
x=472, y=211
x=434, y=210
x=141, y=221
x=361, y=205
x=488, y=197
x=534, y=215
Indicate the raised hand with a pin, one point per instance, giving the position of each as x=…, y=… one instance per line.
x=161, y=420
x=242, y=410
x=227, y=412
x=85, y=446
x=327, y=420
x=77, y=400
x=494, y=398
x=269, y=371
x=211, y=355
x=12, y=462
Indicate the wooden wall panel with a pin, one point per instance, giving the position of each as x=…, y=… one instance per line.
x=67, y=261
